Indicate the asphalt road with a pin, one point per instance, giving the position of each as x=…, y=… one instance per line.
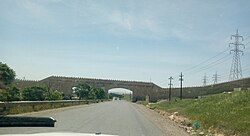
x=115, y=118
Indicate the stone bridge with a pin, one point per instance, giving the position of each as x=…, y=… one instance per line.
x=65, y=84
x=140, y=89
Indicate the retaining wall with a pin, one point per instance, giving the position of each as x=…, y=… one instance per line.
x=194, y=92
x=29, y=106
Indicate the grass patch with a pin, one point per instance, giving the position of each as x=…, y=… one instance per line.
x=226, y=113
x=142, y=102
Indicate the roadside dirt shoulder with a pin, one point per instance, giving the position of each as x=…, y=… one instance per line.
x=166, y=125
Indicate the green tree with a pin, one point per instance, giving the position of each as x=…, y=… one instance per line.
x=111, y=95
x=7, y=75
x=92, y=93
x=99, y=93
x=11, y=93
x=82, y=91
x=85, y=91
x=96, y=93
x=54, y=95
x=14, y=93
x=34, y=93
x=3, y=95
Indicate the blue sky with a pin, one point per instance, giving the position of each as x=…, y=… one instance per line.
x=128, y=40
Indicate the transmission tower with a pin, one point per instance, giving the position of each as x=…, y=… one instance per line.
x=235, y=71
x=204, y=80
x=215, y=78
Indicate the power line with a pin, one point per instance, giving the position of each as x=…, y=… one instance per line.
x=236, y=71
x=247, y=43
x=246, y=38
x=246, y=70
x=212, y=64
x=226, y=73
x=193, y=67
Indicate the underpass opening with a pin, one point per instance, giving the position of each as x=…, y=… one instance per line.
x=120, y=93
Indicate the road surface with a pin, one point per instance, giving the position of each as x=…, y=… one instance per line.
x=115, y=118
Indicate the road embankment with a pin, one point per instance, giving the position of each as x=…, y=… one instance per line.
x=220, y=114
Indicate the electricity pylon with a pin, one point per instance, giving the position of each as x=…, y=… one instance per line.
x=235, y=71
x=215, y=78
x=204, y=80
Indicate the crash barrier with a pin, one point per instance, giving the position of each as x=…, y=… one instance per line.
x=7, y=108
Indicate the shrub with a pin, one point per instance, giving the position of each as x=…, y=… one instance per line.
x=13, y=93
x=55, y=95
x=34, y=93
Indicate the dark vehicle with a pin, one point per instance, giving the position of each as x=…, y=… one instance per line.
x=20, y=121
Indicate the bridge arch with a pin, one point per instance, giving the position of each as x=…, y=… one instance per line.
x=126, y=94
x=120, y=91
x=139, y=92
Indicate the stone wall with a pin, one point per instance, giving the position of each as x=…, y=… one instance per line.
x=29, y=106
x=194, y=92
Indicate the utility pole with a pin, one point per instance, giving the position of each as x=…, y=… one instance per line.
x=235, y=71
x=130, y=95
x=215, y=78
x=204, y=80
x=170, y=85
x=181, y=80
